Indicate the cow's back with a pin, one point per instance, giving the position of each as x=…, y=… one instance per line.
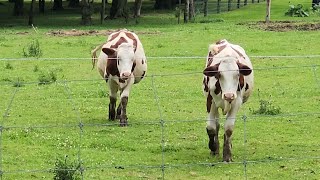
x=113, y=41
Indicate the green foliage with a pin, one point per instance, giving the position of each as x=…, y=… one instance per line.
x=315, y=9
x=297, y=11
x=33, y=50
x=47, y=77
x=266, y=108
x=66, y=170
x=35, y=68
x=8, y=66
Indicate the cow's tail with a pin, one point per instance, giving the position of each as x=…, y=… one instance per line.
x=94, y=54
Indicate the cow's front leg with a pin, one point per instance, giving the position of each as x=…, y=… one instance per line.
x=113, y=99
x=228, y=130
x=213, y=127
x=123, y=115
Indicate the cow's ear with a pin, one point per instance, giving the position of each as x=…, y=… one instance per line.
x=244, y=69
x=211, y=70
x=109, y=51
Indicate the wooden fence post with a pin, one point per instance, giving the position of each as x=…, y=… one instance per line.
x=245, y=2
x=218, y=6
x=268, y=11
x=229, y=5
x=238, y=4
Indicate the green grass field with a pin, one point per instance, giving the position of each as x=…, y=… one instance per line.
x=166, y=138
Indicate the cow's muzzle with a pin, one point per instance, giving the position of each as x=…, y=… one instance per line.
x=125, y=76
x=229, y=97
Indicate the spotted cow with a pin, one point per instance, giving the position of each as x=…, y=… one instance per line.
x=122, y=63
x=227, y=84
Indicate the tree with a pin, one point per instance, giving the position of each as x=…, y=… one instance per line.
x=41, y=6
x=189, y=11
x=164, y=4
x=86, y=11
x=74, y=3
x=18, y=8
x=57, y=5
x=30, y=22
x=137, y=8
x=119, y=9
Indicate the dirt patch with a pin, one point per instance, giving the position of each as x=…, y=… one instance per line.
x=283, y=26
x=75, y=32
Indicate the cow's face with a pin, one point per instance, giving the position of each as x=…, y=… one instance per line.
x=228, y=72
x=124, y=55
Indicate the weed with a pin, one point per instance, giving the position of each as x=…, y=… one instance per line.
x=297, y=11
x=18, y=83
x=47, y=77
x=33, y=50
x=266, y=108
x=66, y=170
x=35, y=68
x=8, y=66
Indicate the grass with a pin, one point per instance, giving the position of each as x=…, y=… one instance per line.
x=68, y=116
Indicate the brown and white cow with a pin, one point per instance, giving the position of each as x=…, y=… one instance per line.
x=122, y=62
x=227, y=84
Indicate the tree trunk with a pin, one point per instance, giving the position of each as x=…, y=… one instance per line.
x=205, y=8
x=74, y=3
x=57, y=5
x=119, y=9
x=41, y=6
x=191, y=10
x=164, y=4
x=137, y=8
x=30, y=22
x=86, y=11
x=18, y=8
x=186, y=11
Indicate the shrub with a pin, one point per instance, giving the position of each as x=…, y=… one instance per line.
x=266, y=108
x=297, y=11
x=33, y=50
x=47, y=77
x=66, y=170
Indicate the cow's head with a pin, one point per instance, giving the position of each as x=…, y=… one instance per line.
x=124, y=55
x=227, y=72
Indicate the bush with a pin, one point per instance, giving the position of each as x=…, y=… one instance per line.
x=33, y=50
x=266, y=108
x=66, y=170
x=297, y=11
x=47, y=77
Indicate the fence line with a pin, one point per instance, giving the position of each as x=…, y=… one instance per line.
x=168, y=57
x=161, y=122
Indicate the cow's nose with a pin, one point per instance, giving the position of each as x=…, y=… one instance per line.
x=228, y=97
x=125, y=75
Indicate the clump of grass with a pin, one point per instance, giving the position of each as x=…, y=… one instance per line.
x=267, y=108
x=65, y=170
x=8, y=66
x=33, y=50
x=35, y=68
x=18, y=83
x=47, y=77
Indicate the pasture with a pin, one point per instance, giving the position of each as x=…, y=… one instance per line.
x=166, y=137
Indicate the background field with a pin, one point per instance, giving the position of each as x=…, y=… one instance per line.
x=166, y=138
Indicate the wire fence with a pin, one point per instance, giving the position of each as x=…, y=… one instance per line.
x=162, y=124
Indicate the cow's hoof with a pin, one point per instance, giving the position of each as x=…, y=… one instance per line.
x=213, y=153
x=123, y=123
x=227, y=160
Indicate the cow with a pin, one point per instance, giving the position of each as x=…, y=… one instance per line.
x=122, y=63
x=227, y=84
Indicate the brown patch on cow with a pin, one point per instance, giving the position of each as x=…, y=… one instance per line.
x=133, y=66
x=130, y=35
x=209, y=102
x=247, y=87
x=112, y=67
x=114, y=36
x=120, y=41
x=142, y=61
x=228, y=133
x=142, y=76
x=217, y=90
x=220, y=41
x=239, y=53
x=241, y=82
x=205, y=83
x=210, y=59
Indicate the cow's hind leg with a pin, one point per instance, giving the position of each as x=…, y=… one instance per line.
x=213, y=131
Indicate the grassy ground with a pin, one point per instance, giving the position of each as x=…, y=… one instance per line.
x=41, y=122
